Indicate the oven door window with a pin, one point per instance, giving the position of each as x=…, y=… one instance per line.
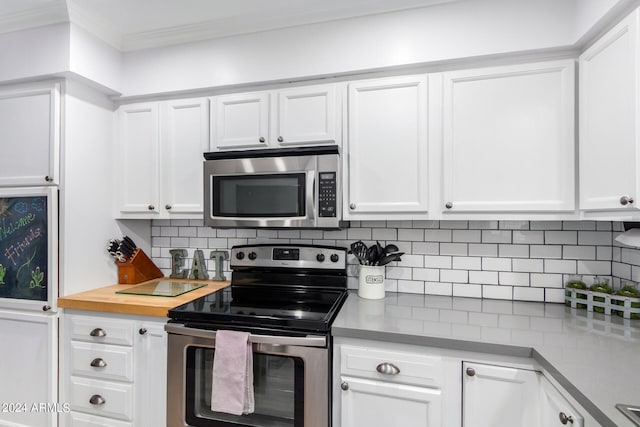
x=272, y=195
x=278, y=383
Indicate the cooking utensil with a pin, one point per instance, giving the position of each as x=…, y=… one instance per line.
x=386, y=259
x=359, y=249
x=390, y=248
x=372, y=255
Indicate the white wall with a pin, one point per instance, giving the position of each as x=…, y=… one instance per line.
x=34, y=53
x=442, y=32
x=86, y=199
x=94, y=59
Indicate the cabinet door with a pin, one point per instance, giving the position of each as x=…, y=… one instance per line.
x=508, y=138
x=28, y=368
x=240, y=121
x=609, y=94
x=137, y=159
x=387, y=149
x=498, y=396
x=184, y=139
x=555, y=408
x=379, y=404
x=30, y=135
x=306, y=115
x=150, y=374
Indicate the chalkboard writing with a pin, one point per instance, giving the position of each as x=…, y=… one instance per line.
x=23, y=248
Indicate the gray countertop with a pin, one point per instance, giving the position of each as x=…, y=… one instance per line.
x=594, y=357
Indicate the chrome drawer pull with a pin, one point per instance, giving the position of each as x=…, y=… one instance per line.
x=96, y=399
x=387, y=368
x=98, y=363
x=98, y=332
x=564, y=418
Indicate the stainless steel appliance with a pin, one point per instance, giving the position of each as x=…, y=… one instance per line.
x=274, y=188
x=286, y=297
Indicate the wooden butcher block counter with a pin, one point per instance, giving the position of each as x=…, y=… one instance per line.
x=107, y=300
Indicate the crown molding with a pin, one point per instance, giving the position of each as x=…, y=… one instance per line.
x=94, y=24
x=34, y=17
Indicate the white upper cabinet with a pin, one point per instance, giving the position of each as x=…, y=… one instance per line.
x=296, y=116
x=386, y=152
x=609, y=96
x=159, y=159
x=30, y=135
x=508, y=138
x=240, y=120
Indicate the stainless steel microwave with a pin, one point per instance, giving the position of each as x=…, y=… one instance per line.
x=274, y=188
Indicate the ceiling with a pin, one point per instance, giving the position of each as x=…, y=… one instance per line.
x=138, y=24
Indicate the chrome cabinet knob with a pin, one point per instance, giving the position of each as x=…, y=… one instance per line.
x=151, y=208
x=142, y=331
x=352, y=206
x=46, y=307
x=448, y=205
x=344, y=386
x=387, y=368
x=167, y=207
x=626, y=200
x=564, y=418
x=98, y=332
x=471, y=372
x=280, y=139
x=98, y=363
x=261, y=139
x=96, y=399
x=48, y=178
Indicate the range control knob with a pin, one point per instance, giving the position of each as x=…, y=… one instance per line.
x=252, y=256
x=320, y=257
x=240, y=255
x=334, y=258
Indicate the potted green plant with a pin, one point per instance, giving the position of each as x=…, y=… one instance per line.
x=600, y=284
x=576, y=282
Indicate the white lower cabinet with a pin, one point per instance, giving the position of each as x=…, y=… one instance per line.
x=378, y=383
x=113, y=370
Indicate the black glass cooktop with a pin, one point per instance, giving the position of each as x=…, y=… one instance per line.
x=301, y=309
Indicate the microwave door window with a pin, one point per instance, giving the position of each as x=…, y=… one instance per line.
x=259, y=196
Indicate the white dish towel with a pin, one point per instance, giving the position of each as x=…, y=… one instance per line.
x=232, y=382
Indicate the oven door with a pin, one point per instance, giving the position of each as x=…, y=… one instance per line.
x=291, y=381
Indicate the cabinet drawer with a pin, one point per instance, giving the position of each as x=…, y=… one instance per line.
x=101, y=361
x=77, y=419
x=100, y=330
x=116, y=398
x=412, y=368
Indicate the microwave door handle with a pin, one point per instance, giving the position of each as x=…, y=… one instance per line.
x=307, y=341
x=311, y=194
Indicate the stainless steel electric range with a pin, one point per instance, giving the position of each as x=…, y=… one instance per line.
x=286, y=297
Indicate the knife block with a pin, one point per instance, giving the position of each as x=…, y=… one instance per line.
x=137, y=269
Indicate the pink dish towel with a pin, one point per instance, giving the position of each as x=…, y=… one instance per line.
x=232, y=382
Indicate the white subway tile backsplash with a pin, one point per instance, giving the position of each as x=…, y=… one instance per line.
x=467, y=263
x=527, y=265
x=456, y=249
x=528, y=294
x=513, y=279
x=496, y=236
x=496, y=264
x=483, y=277
x=542, y=251
x=560, y=266
x=560, y=237
x=513, y=251
x=484, y=249
x=467, y=236
x=522, y=260
x=437, y=235
x=579, y=252
x=594, y=267
x=457, y=276
x=528, y=237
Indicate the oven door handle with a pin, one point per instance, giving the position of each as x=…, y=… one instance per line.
x=308, y=341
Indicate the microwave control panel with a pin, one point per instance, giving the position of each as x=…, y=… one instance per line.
x=327, y=194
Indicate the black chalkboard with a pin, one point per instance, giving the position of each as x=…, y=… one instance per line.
x=23, y=248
